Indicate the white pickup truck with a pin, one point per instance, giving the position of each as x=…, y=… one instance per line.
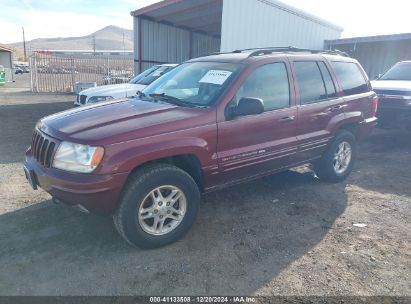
x=123, y=90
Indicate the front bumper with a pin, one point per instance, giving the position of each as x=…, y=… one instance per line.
x=97, y=193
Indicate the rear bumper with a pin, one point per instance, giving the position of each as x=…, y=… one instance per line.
x=98, y=194
x=366, y=127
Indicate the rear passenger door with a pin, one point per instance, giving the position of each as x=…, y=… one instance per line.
x=319, y=106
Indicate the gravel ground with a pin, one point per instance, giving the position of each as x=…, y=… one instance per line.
x=286, y=234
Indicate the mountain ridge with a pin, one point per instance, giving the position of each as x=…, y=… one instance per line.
x=110, y=37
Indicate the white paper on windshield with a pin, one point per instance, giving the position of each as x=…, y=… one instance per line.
x=215, y=77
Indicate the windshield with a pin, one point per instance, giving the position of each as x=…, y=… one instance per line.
x=154, y=75
x=196, y=83
x=400, y=71
x=140, y=76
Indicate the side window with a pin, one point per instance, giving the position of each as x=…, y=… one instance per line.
x=350, y=77
x=270, y=83
x=329, y=84
x=310, y=82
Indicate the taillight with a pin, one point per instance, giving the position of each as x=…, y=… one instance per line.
x=374, y=106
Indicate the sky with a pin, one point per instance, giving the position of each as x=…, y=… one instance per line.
x=68, y=18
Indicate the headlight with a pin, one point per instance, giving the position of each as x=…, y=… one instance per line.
x=77, y=158
x=99, y=98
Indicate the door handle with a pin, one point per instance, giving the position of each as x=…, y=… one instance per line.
x=336, y=108
x=287, y=118
x=321, y=114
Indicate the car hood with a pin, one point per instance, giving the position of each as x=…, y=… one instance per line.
x=120, y=120
x=114, y=90
x=395, y=85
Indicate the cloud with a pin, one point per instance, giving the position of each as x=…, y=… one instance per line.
x=60, y=24
x=63, y=18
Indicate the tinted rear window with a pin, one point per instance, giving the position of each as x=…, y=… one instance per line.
x=310, y=82
x=350, y=77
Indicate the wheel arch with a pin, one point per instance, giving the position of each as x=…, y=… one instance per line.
x=350, y=122
x=188, y=162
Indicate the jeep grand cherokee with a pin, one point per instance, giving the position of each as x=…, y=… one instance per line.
x=209, y=123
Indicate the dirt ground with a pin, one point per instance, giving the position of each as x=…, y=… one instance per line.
x=287, y=234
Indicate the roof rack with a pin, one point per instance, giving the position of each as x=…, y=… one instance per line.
x=270, y=50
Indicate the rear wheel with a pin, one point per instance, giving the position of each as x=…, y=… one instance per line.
x=337, y=162
x=159, y=205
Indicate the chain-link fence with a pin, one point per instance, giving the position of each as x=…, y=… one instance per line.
x=9, y=74
x=58, y=71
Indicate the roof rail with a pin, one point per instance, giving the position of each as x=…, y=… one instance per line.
x=270, y=50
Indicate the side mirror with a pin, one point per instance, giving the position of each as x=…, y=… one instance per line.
x=378, y=76
x=247, y=106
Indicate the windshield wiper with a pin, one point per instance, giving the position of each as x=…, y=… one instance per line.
x=170, y=99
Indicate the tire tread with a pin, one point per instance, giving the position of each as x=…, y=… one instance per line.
x=132, y=185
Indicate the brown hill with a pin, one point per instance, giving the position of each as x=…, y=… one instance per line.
x=108, y=38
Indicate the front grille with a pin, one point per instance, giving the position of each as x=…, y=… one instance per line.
x=43, y=148
x=83, y=99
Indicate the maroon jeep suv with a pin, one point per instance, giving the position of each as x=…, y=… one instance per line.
x=210, y=123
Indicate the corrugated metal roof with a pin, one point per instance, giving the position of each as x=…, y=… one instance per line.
x=6, y=49
x=379, y=38
x=202, y=16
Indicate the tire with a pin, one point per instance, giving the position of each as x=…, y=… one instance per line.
x=147, y=189
x=325, y=167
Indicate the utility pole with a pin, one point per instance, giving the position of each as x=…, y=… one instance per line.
x=24, y=45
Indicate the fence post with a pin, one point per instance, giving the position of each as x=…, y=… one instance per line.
x=37, y=75
x=73, y=80
x=108, y=70
x=31, y=73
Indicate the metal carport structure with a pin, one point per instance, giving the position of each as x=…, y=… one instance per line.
x=172, y=31
x=375, y=53
x=176, y=30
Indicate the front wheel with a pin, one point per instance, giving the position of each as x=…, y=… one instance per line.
x=338, y=160
x=158, y=206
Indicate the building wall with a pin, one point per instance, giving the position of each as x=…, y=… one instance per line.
x=5, y=59
x=162, y=43
x=263, y=23
x=377, y=57
x=245, y=24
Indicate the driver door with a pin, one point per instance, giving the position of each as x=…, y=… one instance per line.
x=253, y=145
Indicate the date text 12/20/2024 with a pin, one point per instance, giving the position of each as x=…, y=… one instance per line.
x=233, y=299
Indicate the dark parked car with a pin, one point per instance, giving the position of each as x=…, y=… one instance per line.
x=18, y=70
x=209, y=123
x=394, y=92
